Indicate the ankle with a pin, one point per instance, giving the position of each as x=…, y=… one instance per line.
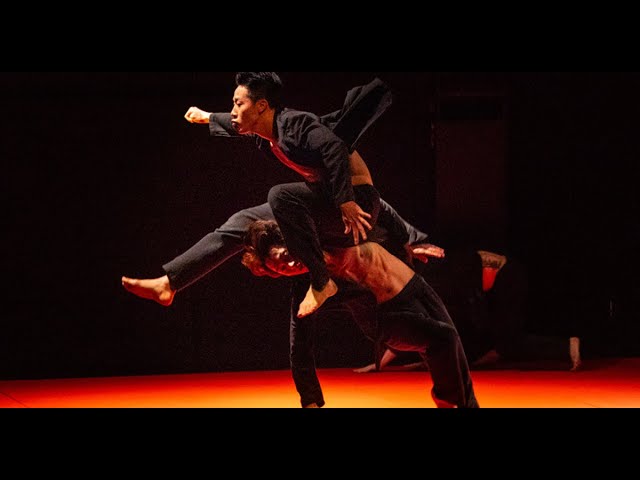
x=574, y=353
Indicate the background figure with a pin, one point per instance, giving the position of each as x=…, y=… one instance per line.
x=487, y=295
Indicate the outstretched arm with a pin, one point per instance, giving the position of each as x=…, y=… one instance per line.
x=197, y=115
x=395, y=234
x=424, y=251
x=399, y=231
x=219, y=123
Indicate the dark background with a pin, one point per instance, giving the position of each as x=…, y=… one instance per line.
x=103, y=177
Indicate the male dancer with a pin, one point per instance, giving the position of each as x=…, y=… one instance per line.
x=321, y=150
x=412, y=316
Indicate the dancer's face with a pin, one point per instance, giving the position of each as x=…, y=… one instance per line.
x=281, y=262
x=245, y=112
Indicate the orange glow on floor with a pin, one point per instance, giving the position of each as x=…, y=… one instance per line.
x=610, y=383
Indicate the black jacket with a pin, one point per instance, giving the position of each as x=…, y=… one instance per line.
x=322, y=143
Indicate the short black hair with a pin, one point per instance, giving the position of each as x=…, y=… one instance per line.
x=261, y=85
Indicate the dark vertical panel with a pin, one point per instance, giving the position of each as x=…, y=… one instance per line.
x=471, y=169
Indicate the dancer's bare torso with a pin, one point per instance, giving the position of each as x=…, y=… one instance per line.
x=371, y=266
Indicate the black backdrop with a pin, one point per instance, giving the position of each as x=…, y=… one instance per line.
x=103, y=177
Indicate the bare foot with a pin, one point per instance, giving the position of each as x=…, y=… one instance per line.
x=156, y=289
x=315, y=298
x=490, y=358
x=574, y=353
x=367, y=369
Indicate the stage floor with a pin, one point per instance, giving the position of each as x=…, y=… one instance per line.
x=603, y=383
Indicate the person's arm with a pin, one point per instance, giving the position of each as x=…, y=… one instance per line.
x=342, y=130
x=396, y=232
x=399, y=231
x=424, y=251
x=219, y=123
x=334, y=154
x=386, y=359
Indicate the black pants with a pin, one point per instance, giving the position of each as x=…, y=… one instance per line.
x=417, y=320
x=226, y=241
x=308, y=219
x=351, y=301
x=214, y=248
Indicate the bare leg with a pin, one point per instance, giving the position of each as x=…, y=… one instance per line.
x=156, y=289
x=574, y=353
x=315, y=298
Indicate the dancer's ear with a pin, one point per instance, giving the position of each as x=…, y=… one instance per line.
x=262, y=105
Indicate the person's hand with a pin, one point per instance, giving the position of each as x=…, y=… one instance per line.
x=367, y=369
x=355, y=221
x=424, y=251
x=196, y=115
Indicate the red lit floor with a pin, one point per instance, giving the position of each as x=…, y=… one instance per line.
x=607, y=383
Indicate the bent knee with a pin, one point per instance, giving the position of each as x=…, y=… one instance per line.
x=277, y=194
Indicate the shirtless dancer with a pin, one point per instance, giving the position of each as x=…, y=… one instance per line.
x=412, y=316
